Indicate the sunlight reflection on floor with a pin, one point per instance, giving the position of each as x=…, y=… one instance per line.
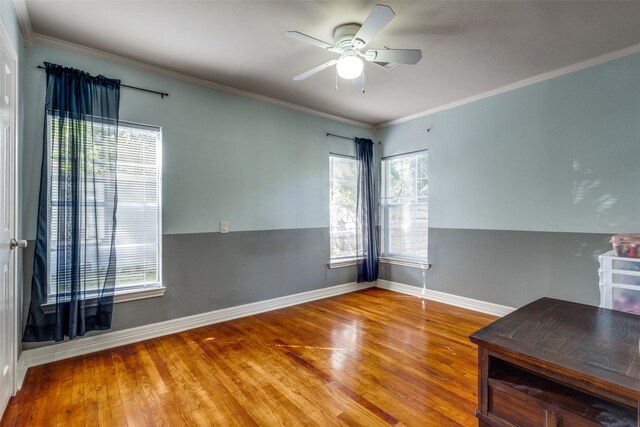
x=311, y=347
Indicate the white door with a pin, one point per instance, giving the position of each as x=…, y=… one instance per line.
x=7, y=219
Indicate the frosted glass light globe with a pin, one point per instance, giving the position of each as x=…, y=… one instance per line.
x=349, y=67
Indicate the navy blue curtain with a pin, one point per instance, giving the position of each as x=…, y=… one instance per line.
x=366, y=236
x=75, y=258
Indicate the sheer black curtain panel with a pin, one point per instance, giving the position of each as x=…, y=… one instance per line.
x=366, y=236
x=74, y=265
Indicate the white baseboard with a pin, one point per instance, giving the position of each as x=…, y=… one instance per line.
x=86, y=345
x=443, y=297
x=21, y=373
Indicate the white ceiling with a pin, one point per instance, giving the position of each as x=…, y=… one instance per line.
x=469, y=47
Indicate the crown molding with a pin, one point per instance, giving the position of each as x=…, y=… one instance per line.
x=25, y=24
x=52, y=41
x=25, y=21
x=617, y=54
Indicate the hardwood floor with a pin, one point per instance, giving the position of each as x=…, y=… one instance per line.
x=368, y=358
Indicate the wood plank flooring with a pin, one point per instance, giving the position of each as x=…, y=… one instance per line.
x=368, y=358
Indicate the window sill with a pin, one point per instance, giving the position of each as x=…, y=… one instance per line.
x=425, y=265
x=139, y=294
x=122, y=296
x=347, y=262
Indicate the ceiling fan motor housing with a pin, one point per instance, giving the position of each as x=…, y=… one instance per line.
x=344, y=36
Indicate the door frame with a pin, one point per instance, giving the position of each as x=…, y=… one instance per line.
x=16, y=255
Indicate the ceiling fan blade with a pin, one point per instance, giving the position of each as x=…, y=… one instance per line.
x=308, y=39
x=317, y=69
x=379, y=17
x=396, y=56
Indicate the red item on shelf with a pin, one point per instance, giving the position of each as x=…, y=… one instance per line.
x=626, y=245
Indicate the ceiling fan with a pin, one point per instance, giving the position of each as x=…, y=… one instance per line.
x=349, y=42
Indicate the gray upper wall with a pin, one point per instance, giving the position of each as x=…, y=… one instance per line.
x=560, y=155
x=261, y=166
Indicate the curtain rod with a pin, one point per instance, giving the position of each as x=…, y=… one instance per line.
x=162, y=94
x=340, y=136
x=343, y=137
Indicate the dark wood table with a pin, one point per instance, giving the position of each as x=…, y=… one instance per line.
x=558, y=363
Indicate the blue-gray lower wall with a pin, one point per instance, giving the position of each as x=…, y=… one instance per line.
x=209, y=271
x=510, y=268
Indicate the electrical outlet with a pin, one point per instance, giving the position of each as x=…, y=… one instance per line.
x=224, y=226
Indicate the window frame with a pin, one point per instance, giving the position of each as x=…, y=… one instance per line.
x=146, y=289
x=346, y=260
x=385, y=255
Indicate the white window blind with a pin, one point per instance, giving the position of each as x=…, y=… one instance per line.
x=405, y=215
x=343, y=173
x=139, y=230
x=139, y=223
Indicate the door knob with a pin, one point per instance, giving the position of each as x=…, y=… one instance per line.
x=17, y=243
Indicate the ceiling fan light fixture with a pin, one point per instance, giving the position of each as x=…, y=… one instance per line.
x=350, y=41
x=349, y=66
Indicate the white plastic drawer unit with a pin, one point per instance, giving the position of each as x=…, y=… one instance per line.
x=620, y=283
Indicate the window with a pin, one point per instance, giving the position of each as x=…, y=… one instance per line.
x=343, y=172
x=405, y=189
x=139, y=230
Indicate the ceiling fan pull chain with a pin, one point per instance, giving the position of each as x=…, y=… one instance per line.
x=336, y=79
